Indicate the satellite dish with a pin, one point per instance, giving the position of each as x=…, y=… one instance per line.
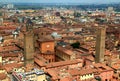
x=1, y=39
x=71, y=30
x=14, y=32
x=54, y=34
x=18, y=29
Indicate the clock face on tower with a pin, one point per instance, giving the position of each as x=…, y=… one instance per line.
x=48, y=46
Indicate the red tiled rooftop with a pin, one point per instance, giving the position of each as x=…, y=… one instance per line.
x=63, y=63
x=75, y=72
x=39, y=62
x=10, y=54
x=2, y=76
x=9, y=67
x=102, y=67
x=53, y=73
x=116, y=67
x=45, y=40
x=107, y=52
x=66, y=79
x=38, y=30
x=65, y=50
x=90, y=57
x=8, y=48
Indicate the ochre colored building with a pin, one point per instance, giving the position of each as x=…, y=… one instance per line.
x=63, y=54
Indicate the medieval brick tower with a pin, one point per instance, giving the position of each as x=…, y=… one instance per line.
x=29, y=44
x=100, y=45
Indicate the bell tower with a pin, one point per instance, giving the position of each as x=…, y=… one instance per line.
x=100, y=45
x=29, y=43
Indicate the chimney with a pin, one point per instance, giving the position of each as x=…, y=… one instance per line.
x=100, y=45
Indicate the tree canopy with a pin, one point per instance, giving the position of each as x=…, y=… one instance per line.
x=75, y=45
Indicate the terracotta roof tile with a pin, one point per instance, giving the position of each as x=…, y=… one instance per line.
x=9, y=67
x=65, y=50
x=8, y=48
x=53, y=73
x=39, y=62
x=63, y=63
x=66, y=79
x=2, y=76
x=82, y=72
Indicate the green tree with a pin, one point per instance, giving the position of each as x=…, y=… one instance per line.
x=75, y=45
x=77, y=14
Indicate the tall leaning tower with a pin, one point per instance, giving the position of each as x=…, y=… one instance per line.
x=29, y=44
x=100, y=45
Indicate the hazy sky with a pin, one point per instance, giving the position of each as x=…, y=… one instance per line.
x=62, y=1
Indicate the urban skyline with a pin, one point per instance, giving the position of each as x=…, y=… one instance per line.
x=59, y=41
x=61, y=1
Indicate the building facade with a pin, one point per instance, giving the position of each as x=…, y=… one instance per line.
x=46, y=48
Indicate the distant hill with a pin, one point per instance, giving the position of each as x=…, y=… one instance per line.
x=83, y=6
